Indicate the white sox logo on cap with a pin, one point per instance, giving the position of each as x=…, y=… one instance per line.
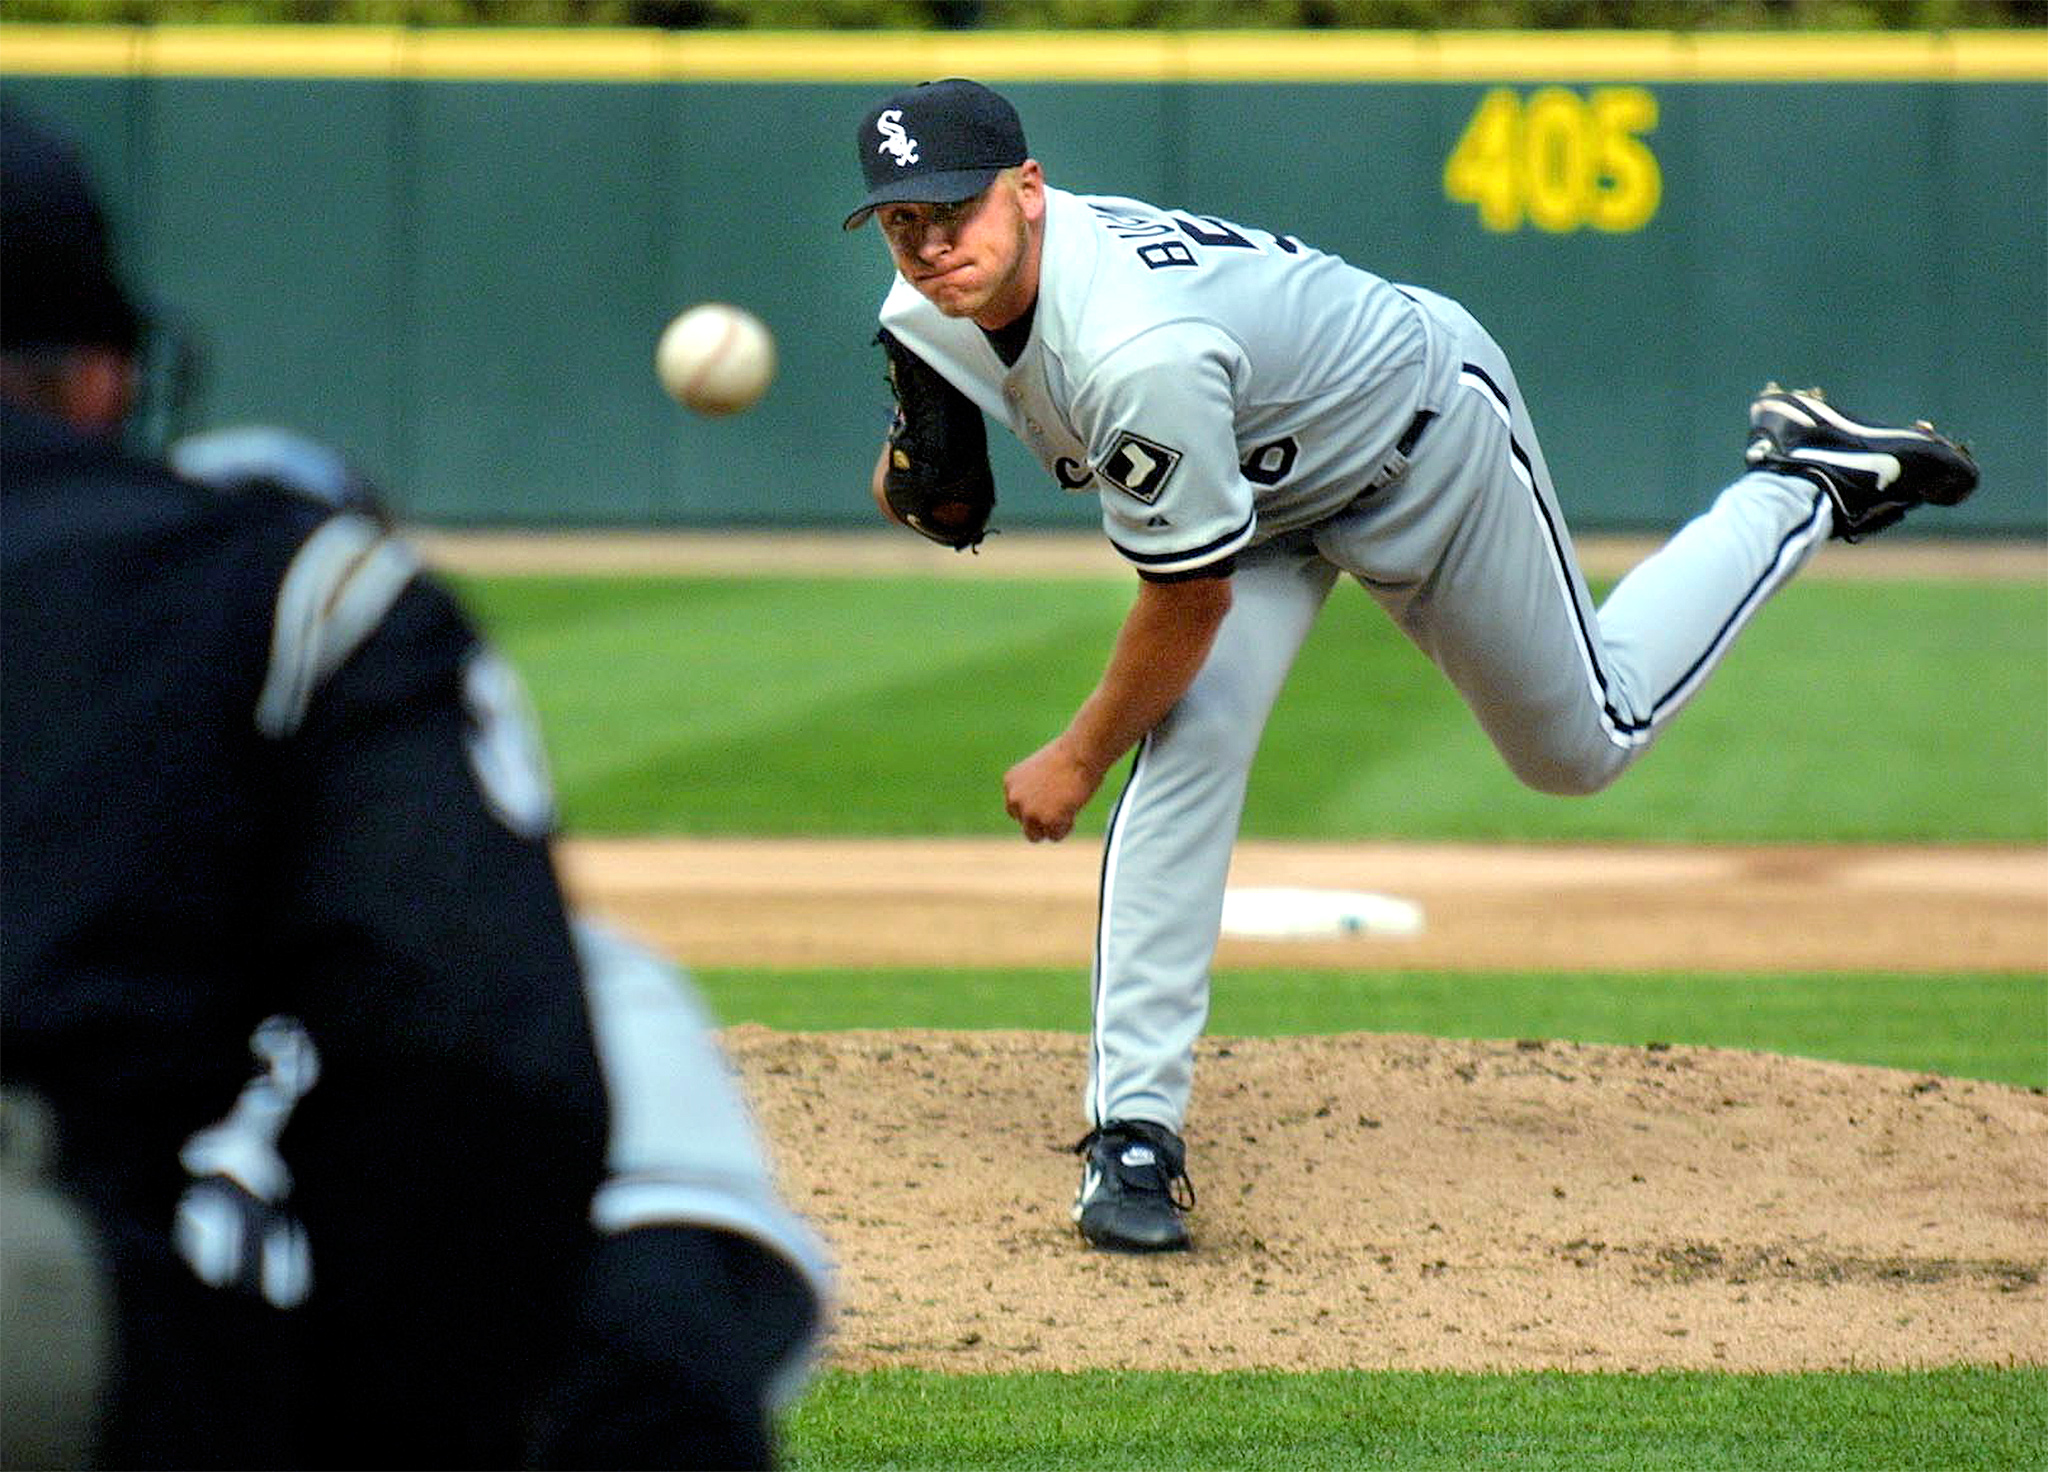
x=965, y=135
x=898, y=144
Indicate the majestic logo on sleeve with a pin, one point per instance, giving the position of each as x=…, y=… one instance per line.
x=898, y=144
x=1139, y=467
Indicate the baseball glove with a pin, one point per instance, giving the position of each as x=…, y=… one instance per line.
x=938, y=479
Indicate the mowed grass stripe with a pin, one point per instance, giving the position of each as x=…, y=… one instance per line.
x=1966, y=1420
x=855, y=763
x=787, y=706
x=1845, y=712
x=1966, y=1025
x=679, y=703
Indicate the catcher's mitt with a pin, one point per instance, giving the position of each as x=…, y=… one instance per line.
x=938, y=479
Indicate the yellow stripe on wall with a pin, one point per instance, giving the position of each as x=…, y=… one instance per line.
x=1077, y=56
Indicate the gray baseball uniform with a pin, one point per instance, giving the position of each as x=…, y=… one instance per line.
x=1237, y=398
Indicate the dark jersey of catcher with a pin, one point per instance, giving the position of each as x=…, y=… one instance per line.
x=255, y=763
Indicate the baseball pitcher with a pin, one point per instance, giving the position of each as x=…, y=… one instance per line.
x=1258, y=417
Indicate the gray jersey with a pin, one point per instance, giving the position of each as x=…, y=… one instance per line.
x=1230, y=393
x=1215, y=385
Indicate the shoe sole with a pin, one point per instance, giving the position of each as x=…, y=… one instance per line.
x=1125, y=1244
x=1111, y=1242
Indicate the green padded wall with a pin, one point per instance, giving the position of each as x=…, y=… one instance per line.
x=458, y=271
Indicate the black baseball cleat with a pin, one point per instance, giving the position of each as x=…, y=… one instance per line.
x=1872, y=473
x=1133, y=1188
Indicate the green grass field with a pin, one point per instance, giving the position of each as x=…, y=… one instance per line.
x=1964, y=1025
x=1893, y=712
x=1996, y=1421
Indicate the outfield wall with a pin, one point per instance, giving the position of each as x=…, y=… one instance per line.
x=451, y=252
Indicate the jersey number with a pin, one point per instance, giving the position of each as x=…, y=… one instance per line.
x=1269, y=463
x=1165, y=254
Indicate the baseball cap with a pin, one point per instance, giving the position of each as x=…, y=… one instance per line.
x=58, y=287
x=935, y=143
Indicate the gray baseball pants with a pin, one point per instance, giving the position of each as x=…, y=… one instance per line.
x=1467, y=552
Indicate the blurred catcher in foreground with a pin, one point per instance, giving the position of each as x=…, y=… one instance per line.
x=489, y=1197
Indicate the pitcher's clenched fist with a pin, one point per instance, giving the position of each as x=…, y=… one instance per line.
x=1045, y=790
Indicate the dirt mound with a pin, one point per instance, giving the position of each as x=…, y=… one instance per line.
x=1373, y=1201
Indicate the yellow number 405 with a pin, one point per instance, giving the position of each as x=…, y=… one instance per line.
x=1560, y=160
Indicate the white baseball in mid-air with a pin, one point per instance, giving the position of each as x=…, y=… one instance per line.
x=716, y=358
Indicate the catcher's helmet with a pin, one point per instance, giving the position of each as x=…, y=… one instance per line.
x=58, y=286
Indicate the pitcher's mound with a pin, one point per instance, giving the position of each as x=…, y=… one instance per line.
x=1371, y=1201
